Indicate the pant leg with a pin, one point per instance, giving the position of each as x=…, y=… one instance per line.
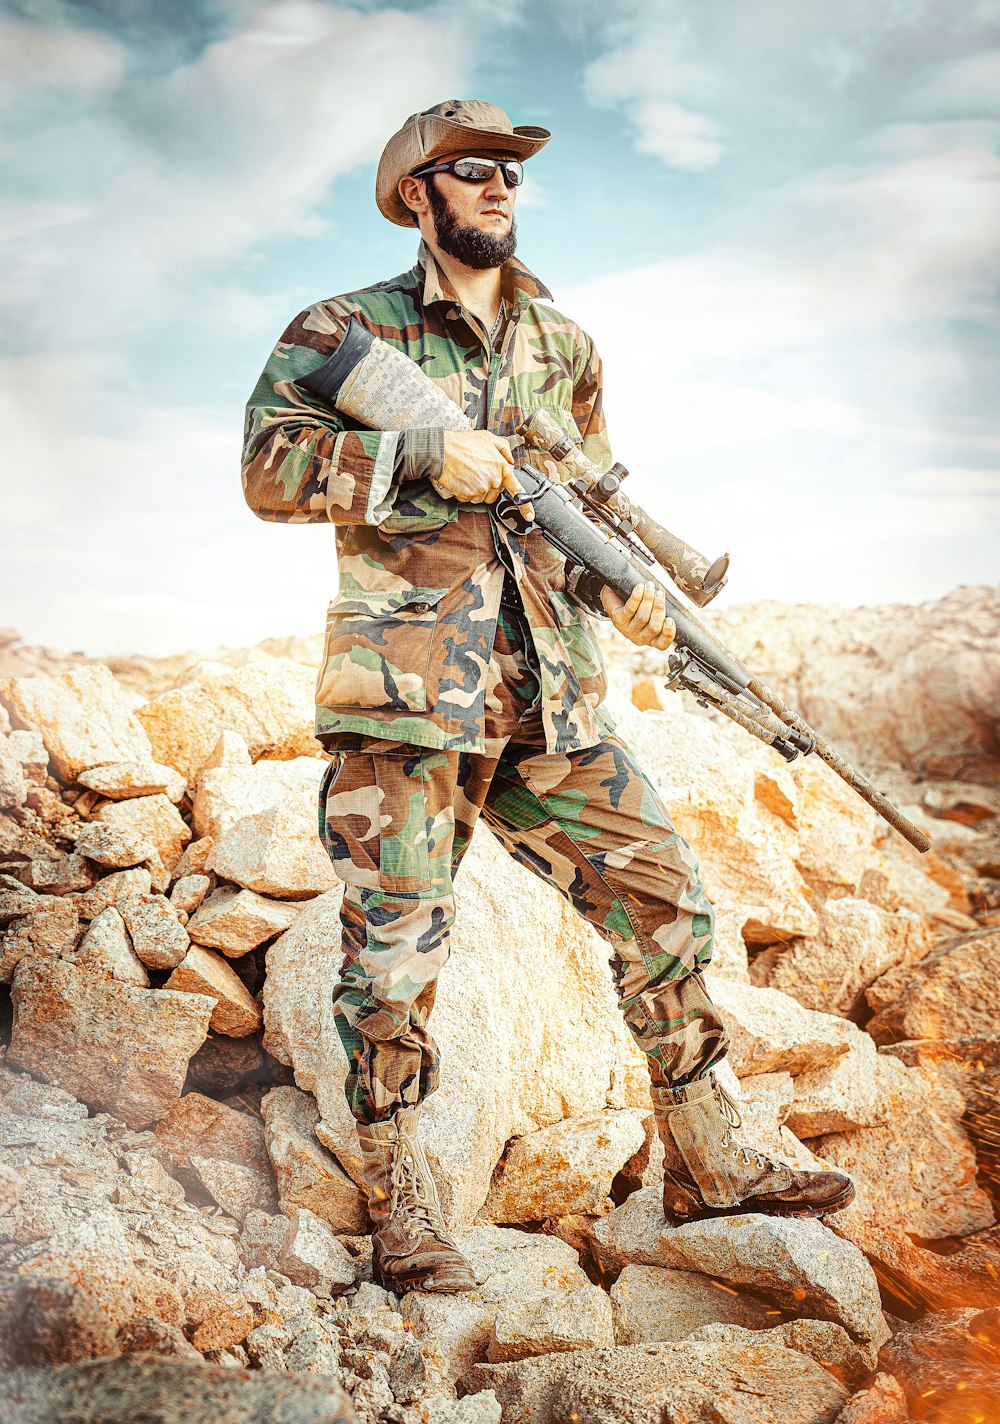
x=592, y=824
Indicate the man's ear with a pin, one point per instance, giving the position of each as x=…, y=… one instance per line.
x=413, y=192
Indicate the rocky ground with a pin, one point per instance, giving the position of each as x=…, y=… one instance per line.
x=182, y=1234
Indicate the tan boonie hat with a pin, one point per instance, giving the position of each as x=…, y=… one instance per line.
x=448, y=128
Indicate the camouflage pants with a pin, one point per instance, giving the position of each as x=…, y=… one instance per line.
x=397, y=819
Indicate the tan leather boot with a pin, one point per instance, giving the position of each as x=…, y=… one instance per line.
x=708, y=1173
x=411, y=1246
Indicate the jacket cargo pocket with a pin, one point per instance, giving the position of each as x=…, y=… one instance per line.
x=378, y=649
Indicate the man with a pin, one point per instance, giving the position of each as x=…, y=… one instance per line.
x=460, y=679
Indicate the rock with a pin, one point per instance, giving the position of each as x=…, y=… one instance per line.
x=27, y=748
x=119, y=1048
x=121, y=849
x=822, y=1340
x=270, y=704
x=303, y=966
x=307, y=1174
x=652, y=1303
x=237, y=1189
x=111, y=888
x=197, y=1125
x=148, y=1336
x=951, y=1360
x=223, y=1065
x=158, y=937
x=575, y=1319
x=13, y=786
x=18, y=900
x=918, y=1171
x=227, y=793
x=189, y=891
x=565, y=1168
x=263, y=1238
x=770, y=1031
x=883, y=1402
x=62, y=874
x=857, y=942
x=11, y=1186
x=202, y=971
x=671, y=1383
x=50, y=1321
x=162, y=1391
x=645, y=1166
x=949, y=994
x=124, y=779
x=276, y=852
x=84, y=718
x=106, y=949
x=230, y=751
x=92, y=1255
x=154, y=818
x=50, y=931
x=313, y=1257
x=798, y=1263
x=237, y=921
x=848, y=1094
x=195, y=859
x=836, y=830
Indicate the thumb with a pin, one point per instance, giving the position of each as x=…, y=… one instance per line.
x=613, y=603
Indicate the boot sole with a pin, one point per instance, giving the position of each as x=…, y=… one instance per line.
x=777, y=1208
x=437, y=1284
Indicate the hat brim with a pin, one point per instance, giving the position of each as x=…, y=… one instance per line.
x=446, y=137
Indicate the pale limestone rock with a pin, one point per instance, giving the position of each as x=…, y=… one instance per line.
x=303, y=966
x=106, y=949
x=84, y=718
x=122, y=780
x=13, y=786
x=230, y=750
x=823, y=1340
x=45, y=1321
x=918, y=1170
x=49, y=931
x=646, y=1165
x=652, y=1303
x=236, y=922
x=883, y=1402
x=195, y=859
x=148, y=1336
x=11, y=1186
x=189, y=892
x=271, y=704
x=94, y=1255
x=227, y=793
x=122, y=849
x=848, y=1094
x=263, y=1238
x=770, y=1031
x=565, y=1168
x=111, y=888
x=576, y=1319
x=836, y=829
x=236, y=1188
x=201, y=1126
x=307, y=1174
x=230, y=1323
x=857, y=942
x=119, y=1048
x=797, y=1263
x=28, y=749
x=202, y=971
x=669, y=1383
x=276, y=852
x=155, y=818
x=62, y=875
x=950, y=994
x=313, y=1257
x=158, y=937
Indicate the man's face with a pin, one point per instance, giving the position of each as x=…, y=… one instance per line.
x=474, y=222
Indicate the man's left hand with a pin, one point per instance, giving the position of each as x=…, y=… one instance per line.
x=643, y=618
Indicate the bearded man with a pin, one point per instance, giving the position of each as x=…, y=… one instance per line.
x=461, y=679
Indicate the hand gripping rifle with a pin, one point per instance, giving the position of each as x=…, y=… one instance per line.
x=605, y=538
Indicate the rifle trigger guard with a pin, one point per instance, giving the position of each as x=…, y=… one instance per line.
x=507, y=513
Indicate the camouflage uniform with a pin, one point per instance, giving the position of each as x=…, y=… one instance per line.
x=440, y=704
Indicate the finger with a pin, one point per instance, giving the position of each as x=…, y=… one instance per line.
x=502, y=447
x=666, y=635
x=612, y=602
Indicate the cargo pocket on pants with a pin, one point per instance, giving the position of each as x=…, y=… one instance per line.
x=373, y=816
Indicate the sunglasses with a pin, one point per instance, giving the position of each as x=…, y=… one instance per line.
x=478, y=170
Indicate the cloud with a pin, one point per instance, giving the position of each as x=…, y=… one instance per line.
x=56, y=58
x=969, y=86
x=953, y=481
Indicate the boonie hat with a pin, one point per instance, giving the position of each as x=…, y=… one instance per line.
x=448, y=128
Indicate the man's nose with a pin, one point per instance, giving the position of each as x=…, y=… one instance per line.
x=497, y=186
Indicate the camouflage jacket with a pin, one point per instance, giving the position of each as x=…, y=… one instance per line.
x=410, y=632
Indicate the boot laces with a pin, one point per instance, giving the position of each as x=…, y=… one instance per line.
x=749, y=1156
x=413, y=1190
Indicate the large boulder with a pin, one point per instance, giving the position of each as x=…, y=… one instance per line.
x=308, y=1175
x=952, y=993
x=652, y=1303
x=771, y=1032
x=227, y=793
x=154, y=818
x=84, y=716
x=568, y=1167
x=276, y=851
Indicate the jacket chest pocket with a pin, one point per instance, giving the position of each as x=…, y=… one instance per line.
x=378, y=649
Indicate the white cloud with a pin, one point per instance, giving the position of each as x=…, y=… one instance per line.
x=58, y=58
x=968, y=86
x=952, y=481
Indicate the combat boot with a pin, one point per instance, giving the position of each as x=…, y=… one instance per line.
x=411, y=1246
x=706, y=1172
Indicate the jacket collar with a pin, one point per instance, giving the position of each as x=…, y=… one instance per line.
x=519, y=282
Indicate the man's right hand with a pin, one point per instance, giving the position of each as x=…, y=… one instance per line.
x=477, y=466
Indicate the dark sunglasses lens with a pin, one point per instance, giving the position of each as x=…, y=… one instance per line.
x=478, y=170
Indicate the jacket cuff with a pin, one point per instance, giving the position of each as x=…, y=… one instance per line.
x=421, y=453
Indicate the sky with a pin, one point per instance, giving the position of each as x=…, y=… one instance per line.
x=780, y=222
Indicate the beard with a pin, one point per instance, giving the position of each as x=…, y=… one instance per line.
x=479, y=250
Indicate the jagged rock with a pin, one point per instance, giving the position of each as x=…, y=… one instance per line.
x=229, y=1323
x=158, y=937
x=228, y=793
x=312, y=1256
x=84, y=717
x=276, y=852
x=230, y=750
x=263, y=1238
x=198, y=1125
x=27, y=748
x=770, y=1031
x=307, y=1174
x=236, y=1188
x=154, y=818
x=222, y=1064
x=653, y=1303
x=18, y=900
x=11, y=1187
x=271, y=704
x=574, y=1319
x=950, y=994
x=124, y=779
x=883, y=1402
x=671, y=1383
x=92, y=1255
x=856, y=943
x=189, y=892
x=49, y=932
x=836, y=830
x=202, y=971
x=13, y=786
x=848, y=1094
x=50, y=1321
x=147, y=1335
x=645, y=1166
x=119, y=1048
x=303, y=966
x=111, y=888
x=237, y=921
x=565, y=1168
x=121, y=848
x=195, y=859
x=823, y=1340
x=799, y=1263
x=62, y=874
x=951, y=1359
x=106, y=949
